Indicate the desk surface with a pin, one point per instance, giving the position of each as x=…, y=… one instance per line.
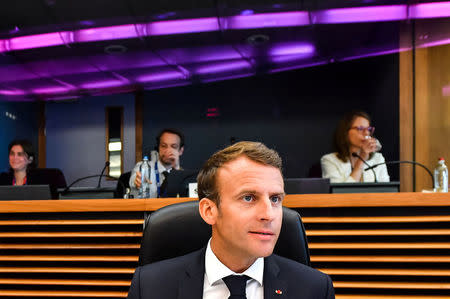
x=409, y=199
x=91, y=246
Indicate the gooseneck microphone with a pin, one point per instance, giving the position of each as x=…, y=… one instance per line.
x=403, y=162
x=367, y=164
x=101, y=174
x=92, y=176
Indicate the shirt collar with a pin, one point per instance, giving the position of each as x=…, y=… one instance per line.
x=162, y=168
x=215, y=270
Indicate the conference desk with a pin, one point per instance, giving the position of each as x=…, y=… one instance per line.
x=386, y=245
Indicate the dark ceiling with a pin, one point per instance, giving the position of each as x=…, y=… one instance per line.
x=100, y=47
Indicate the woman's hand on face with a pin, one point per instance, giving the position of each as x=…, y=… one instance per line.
x=369, y=145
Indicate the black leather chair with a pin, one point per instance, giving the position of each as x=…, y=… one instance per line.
x=178, y=229
x=122, y=184
x=53, y=177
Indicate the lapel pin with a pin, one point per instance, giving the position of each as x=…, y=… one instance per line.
x=278, y=292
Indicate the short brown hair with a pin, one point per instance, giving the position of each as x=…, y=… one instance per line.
x=255, y=151
x=341, y=142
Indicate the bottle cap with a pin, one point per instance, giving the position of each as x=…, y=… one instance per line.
x=145, y=158
x=441, y=158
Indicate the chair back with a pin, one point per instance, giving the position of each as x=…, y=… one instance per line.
x=178, y=229
x=53, y=177
x=122, y=184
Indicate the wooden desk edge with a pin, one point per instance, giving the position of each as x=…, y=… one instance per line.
x=407, y=199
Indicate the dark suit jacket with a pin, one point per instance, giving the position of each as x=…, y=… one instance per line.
x=182, y=278
x=39, y=176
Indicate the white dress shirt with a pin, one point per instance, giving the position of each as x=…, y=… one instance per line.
x=215, y=288
x=339, y=172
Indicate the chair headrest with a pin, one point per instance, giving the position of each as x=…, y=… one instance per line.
x=178, y=229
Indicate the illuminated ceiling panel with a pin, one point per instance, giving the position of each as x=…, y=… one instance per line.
x=176, y=48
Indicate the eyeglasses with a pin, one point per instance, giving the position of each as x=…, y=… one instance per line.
x=363, y=129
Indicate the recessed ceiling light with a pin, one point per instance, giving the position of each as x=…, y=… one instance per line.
x=257, y=39
x=115, y=49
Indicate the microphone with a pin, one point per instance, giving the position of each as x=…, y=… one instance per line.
x=101, y=174
x=92, y=176
x=367, y=164
x=403, y=162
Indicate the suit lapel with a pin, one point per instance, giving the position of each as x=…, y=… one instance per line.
x=191, y=285
x=274, y=287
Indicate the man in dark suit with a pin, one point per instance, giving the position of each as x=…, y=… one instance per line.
x=241, y=192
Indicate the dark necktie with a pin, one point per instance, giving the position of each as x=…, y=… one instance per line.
x=163, y=187
x=236, y=284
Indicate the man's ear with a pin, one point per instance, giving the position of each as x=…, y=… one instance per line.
x=208, y=210
x=181, y=150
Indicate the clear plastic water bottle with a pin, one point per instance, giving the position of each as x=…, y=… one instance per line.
x=144, y=191
x=441, y=176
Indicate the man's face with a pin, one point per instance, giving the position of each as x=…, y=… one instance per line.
x=170, y=150
x=248, y=221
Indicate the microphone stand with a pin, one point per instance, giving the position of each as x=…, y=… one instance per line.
x=101, y=174
x=92, y=176
x=367, y=164
x=403, y=162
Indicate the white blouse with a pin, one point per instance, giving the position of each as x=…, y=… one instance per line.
x=339, y=172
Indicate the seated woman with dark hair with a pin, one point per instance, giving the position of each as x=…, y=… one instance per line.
x=353, y=135
x=23, y=171
x=21, y=161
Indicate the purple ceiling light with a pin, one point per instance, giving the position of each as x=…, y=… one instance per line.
x=247, y=12
x=157, y=77
x=223, y=67
x=434, y=43
x=289, y=58
x=360, y=14
x=267, y=20
x=166, y=15
x=109, y=33
x=292, y=49
x=12, y=92
x=246, y=20
x=103, y=84
x=430, y=10
x=51, y=90
x=39, y=41
x=182, y=26
x=87, y=23
x=15, y=30
x=2, y=46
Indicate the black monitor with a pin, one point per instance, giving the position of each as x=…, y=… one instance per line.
x=384, y=187
x=86, y=193
x=178, y=183
x=306, y=185
x=25, y=192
